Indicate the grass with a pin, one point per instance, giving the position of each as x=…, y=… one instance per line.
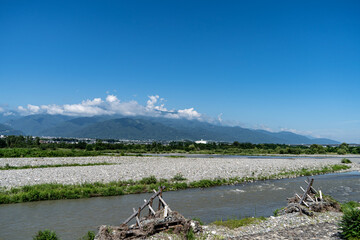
x=8, y=167
x=46, y=235
x=53, y=191
x=89, y=236
x=349, y=205
x=236, y=223
x=345, y=160
x=37, y=152
x=350, y=224
x=276, y=211
x=178, y=177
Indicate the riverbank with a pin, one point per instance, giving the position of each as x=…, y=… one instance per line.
x=136, y=168
x=289, y=226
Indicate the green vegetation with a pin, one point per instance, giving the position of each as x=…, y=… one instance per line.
x=350, y=224
x=190, y=235
x=178, y=177
x=198, y=220
x=349, y=205
x=276, y=211
x=8, y=167
x=20, y=146
x=86, y=190
x=345, y=160
x=37, y=152
x=235, y=223
x=46, y=235
x=89, y=236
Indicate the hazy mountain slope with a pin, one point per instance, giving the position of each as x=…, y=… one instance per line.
x=67, y=128
x=6, y=130
x=146, y=128
x=35, y=124
x=292, y=138
x=203, y=130
x=128, y=128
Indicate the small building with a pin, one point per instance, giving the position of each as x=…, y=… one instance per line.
x=201, y=142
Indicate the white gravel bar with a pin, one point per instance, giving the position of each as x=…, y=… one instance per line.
x=136, y=168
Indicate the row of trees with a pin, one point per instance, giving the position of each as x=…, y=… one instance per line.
x=184, y=146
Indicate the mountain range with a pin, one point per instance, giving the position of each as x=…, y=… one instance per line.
x=144, y=128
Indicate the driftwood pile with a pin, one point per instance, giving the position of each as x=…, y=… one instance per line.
x=310, y=201
x=162, y=220
x=173, y=223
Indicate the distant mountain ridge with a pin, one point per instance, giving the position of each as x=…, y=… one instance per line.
x=6, y=130
x=149, y=128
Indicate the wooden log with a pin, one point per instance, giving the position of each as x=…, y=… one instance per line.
x=312, y=188
x=300, y=199
x=165, y=211
x=310, y=198
x=151, y=210
x=150, y=207
x=143, y=206
x=307, y=190
x=320, y=195
x=160, y=195
x=164, y=203
x=137, y=218
x=302, y=189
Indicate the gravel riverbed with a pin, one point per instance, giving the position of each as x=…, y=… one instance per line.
x=289, y=226
x=136, y=168
x=292, y=226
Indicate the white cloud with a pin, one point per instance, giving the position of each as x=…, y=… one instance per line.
x=112, y=105
x=189, y=113
x=292, y=130
x=112, y=98
x=33, y=108
x=2, y=109
x=300, y=132
x=263, y=127
x=219, y=118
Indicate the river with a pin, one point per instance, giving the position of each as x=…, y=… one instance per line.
x=71, y=219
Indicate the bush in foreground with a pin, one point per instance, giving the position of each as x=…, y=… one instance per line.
x=350, y=224
x=46, y=235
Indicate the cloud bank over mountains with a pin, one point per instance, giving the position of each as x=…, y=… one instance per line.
x=112, y=105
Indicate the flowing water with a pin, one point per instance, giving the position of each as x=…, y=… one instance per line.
x=71, y=219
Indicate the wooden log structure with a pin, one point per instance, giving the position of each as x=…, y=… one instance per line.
x=137, y=213
x=305, y=195
x=151, y=210
x=312, y=188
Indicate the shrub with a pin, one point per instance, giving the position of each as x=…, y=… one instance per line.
x=178, y=177
x=349, y=205
x=345, y=160
x=341, y=151
x=190, y=235
x=148, y=180
x=89, y=236
x=46, y=235
x=276, y=212
x=350, y=224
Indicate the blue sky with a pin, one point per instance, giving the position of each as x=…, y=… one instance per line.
x=277, y=65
